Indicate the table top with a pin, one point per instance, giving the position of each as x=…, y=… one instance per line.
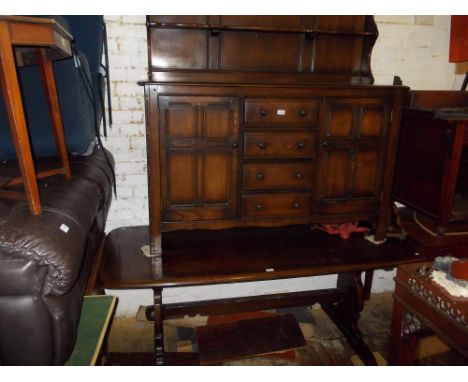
x=418, y=277
x=28, y=33
x=204, y=257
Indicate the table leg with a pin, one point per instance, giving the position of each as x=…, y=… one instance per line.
x=158, y=327
x=48, y=80
x=14, y=108
x=346, y=314
x=402, y=346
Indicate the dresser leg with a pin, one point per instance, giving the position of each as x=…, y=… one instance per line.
x=158, y=328
x=155, y=246
x=346, y=314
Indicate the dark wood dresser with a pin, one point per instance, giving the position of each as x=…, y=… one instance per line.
x=265, y=121
x=431, y=173
x=257, y=129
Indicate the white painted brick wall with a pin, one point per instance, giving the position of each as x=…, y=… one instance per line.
x=416, y=50
x=412, y=47
x=128, y=58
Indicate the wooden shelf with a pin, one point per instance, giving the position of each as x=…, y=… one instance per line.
x=218, y=27
x=331, y=48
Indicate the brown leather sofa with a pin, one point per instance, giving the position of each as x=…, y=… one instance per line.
x=45, y=262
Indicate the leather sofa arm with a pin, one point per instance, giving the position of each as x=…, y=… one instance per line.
x=20, y=276
x=55, y=239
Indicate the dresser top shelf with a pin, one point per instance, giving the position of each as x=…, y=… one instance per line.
x=204, y=257
x=357, y=24
x=215, y=28
x=277, y=49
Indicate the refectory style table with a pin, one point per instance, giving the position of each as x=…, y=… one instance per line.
x=202, y=257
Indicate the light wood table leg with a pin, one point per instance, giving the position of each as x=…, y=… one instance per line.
x=48, y=80
x=14, y=108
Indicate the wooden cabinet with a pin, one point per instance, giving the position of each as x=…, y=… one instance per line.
x=241, y=136
x=230, y=157
x=199, y=157
x=432, y=168
x=353, y=149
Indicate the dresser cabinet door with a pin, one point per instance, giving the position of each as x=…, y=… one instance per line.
x=199, y=157
x=353, y=140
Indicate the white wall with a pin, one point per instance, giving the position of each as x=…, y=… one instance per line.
x=412, y=47
x=416, y=48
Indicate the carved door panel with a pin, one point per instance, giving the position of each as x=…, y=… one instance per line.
x=353, y=139
x=199, y=158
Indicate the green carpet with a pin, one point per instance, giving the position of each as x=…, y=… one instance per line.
x=96, y=315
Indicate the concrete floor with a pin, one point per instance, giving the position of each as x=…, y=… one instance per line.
x=325, y=344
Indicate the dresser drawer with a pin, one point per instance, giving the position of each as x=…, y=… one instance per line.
x=287, y=204
x=279, y=145
x=282, y=111
x=277, y=175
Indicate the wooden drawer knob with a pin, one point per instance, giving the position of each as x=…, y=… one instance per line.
x=260, y=176
x=296, y=205
x=299, y=175
x=301, y=145
x=262, y=112
x=259, y=207
x=261, y=145
x=303, y=112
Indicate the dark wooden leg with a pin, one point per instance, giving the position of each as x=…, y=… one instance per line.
x=369, y=277
x=158, y=328
x=93, y=285
x=402, y=342
x=346, y=314
x=154, y=169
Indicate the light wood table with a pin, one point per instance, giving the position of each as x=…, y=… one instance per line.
x=34, y=41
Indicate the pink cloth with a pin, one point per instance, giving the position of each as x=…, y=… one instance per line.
x=344, y=230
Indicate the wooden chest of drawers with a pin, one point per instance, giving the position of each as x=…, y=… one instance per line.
x=226, y=156
x=237, y=139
